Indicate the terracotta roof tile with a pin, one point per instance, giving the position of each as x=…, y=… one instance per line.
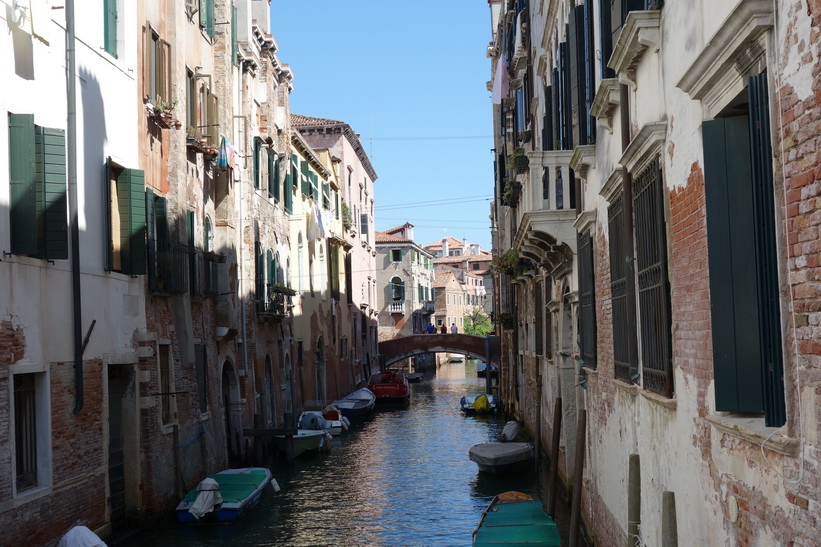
x=299, y=120
x=384, y=237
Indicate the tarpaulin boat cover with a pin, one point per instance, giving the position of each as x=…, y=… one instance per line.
x=208, y=497
x=500, y=453
x=481, y=403
x=80, y=536
x=510, y=432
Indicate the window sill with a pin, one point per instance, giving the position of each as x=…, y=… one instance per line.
x=630, y=389
x=661, y=400
x=753, y=430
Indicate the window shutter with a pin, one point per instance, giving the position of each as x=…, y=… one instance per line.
x=257, y=148
x=766, y=255
x=148, y=46
x=213, y=122
x=260, y=273
x=588, y=69
x=204, y=13
x=276, y=178
x=272, y=268
x=575, y=42
x=52, y=200
x=588, y=300
x=161, y=219
x=21, y=179
x=306, y=184
x=270, y=156
x=108, y=233
x=606, y=37
x=234, y=45
x=364, y=226
x=110, y=27
x=131, y=186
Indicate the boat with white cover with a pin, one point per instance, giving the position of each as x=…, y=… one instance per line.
x=501, y=458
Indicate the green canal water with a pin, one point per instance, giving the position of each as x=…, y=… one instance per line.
x=401, y=478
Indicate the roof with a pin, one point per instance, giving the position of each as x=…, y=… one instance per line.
x=385, y=237
x=486, y=257
x=302, y=121
x=453, y=243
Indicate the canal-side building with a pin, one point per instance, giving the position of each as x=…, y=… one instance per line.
x=656, y=185
x=356, y=308
x=71, y=299
x=404, y=275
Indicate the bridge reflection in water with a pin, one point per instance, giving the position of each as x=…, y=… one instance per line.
x=402, y=478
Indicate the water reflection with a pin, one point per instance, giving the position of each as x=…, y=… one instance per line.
x=402, y=478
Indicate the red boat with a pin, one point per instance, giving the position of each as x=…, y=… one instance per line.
x=390, y=387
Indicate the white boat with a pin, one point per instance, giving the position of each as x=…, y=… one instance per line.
x=305, y=440
x=501, y=458
x=456, y=359
x=316, y=419
x=478, y=404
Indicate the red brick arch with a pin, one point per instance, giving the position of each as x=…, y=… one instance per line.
x=397, y=349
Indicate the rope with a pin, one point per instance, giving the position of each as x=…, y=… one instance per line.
x=191, y=441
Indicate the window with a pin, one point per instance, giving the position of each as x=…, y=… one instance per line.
x=588, y=300
x=273, y=175
x=37, y=185
x=326, y=197
x=156, y=66
x=743, y=261
x=31, y=435
x=396, y=255
x=125, y=238
x=364, y=227
x=110, y=18
x=624, y=329
x=397, y=288
x=305, y=178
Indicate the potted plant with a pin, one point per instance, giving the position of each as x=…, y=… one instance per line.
x=347, y=222
x=517, y=161
x=508, y=263
x=284, y=289
x=511, y=192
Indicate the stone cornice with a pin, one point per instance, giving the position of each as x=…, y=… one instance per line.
x=606, y=101
x=583, y=157
x=641, y=30
x=646, y=144
x=714, y=74
x=613, y=184
x=585, y=220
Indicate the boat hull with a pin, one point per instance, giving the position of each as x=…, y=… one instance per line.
x=390, y=388
x=305, y=441
x=515, y=518
x=241, y=490
x=502, y=458
x=357, y=406
x=469, y=406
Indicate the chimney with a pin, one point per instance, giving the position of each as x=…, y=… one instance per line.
x=409, y=231
x=445, y=246
x=464, y=246
x=474, y=249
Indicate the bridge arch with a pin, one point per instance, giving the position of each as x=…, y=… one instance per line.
x=397, y=349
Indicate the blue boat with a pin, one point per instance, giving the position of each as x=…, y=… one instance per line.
x=515, y=518
x=224, y=496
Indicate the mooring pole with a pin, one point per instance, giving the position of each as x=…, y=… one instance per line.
x=554, y=457
x=576, y=501
x=633, y=500
x=669, y=529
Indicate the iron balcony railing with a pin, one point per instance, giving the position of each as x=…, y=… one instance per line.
x=276, y=301
x=168, y=266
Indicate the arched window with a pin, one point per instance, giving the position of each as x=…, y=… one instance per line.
x=397, y=288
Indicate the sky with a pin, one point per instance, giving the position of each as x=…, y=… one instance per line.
x=411, y=79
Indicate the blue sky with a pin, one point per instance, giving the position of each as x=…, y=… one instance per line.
x=410, y=78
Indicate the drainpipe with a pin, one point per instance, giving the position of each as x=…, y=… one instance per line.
x=74, y=228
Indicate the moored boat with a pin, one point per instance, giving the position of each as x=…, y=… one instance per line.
x=305, y=440
x=390, y=387
x=317, y=419
x=515, y=518
x=224, y=496
x=481, y=370
x=501, y=458
x=479, y=404
x=414, y=377
x=358, y=405
x=456, y=358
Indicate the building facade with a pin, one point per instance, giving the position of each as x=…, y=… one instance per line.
x=657, y=162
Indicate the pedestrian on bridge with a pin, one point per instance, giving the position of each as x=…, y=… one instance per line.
x=443, y=329
x=453, y=329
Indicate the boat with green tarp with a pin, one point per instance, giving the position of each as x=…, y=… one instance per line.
x=515, y=518
x=224, y=496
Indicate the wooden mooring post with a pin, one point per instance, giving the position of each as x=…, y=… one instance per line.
x=578, y=474
x=555, y=440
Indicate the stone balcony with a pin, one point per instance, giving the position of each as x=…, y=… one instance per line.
x=545, y=215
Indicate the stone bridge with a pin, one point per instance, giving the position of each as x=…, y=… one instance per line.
x=486, y=348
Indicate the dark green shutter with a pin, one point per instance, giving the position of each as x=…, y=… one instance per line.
x=306, y=183
x=275, y=188
x=234, y=46
x=132, y=207
x=731, y=252
x=52, y=199
x=21, y=178
x=606, y=36
x=272, y=267
x=766, y=252
x=270, y=174
x=259, y=275
x=257, y=148
x=108, y=249
x=110, y=27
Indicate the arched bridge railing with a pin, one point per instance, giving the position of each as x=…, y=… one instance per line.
x=486, y=348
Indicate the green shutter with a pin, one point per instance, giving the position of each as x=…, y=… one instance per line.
x=204, y=13
x=110, y=27
x=210, y=25
x=257, y=147
x=306, y=176
x=108, y=250
x=275, y=187
x=21, y=178
x=132, y=205
x=52, y=199
x=234, y=46
x=731, y=253
x=272, y=269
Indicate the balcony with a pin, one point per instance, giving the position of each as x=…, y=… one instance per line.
x=397, y=307
x=545, y=210
x=168, y=266
x=275, y=303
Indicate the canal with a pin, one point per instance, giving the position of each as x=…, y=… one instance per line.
x=401, y=478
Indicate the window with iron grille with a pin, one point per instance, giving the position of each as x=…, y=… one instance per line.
x=652, y=280
x=623, y=329
x=588, y=300
x=25, y=431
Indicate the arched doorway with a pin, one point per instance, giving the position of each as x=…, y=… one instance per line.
x=230, y=411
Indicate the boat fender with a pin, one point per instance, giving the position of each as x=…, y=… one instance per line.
x=275, y=485
x=346, y=423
